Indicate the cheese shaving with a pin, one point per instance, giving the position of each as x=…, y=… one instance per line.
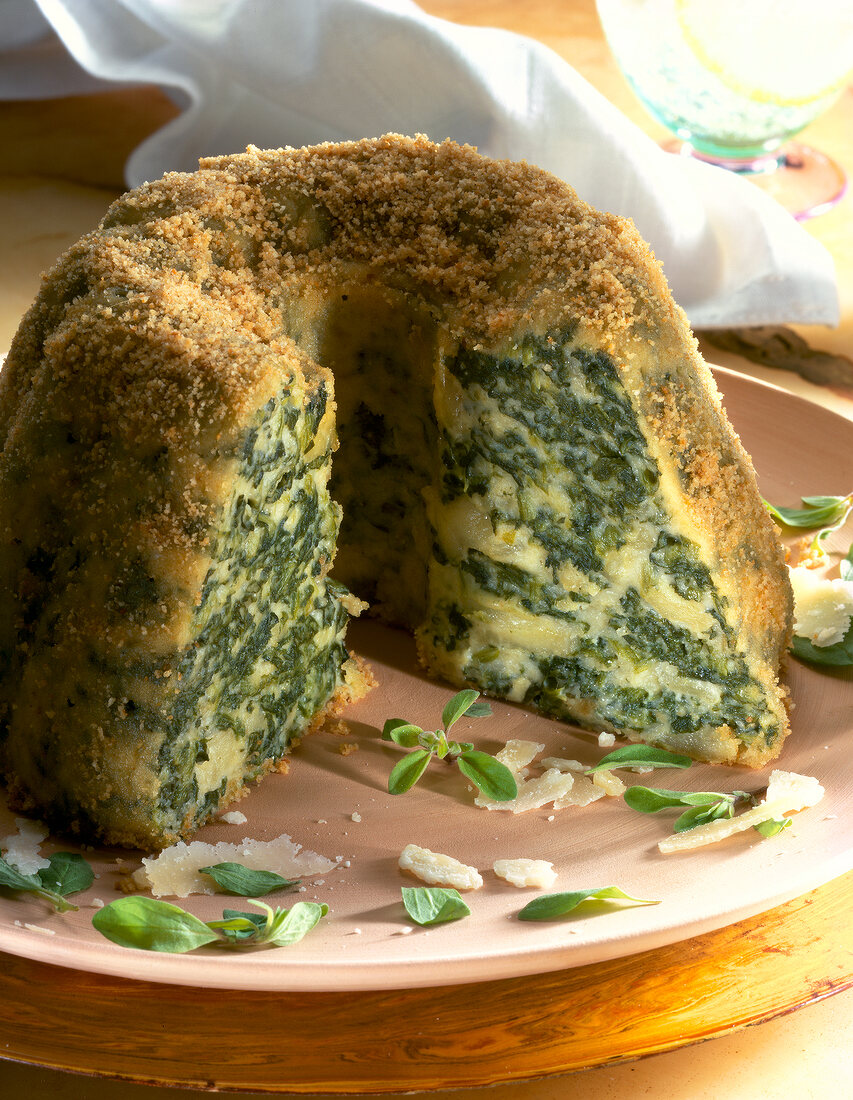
x=516, y=755
x=611, y=784
x=582, y=793
x=822, y=607
x=786, y=793
x=21, y=849
x=175, y=871
x=552, y=786
x=563, y=765
x=437, y=869
x=234, y=817
x=526, y=872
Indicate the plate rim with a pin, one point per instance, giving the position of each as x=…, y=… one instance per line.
x=241, y=973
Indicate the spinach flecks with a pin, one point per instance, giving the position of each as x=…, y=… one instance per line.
x=268, y=632
x=550, y=448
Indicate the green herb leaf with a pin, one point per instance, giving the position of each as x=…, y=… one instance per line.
x=278, y=927
x=238, y=927
x=440, y=746
x=431, y=739
x=457, y=706
x=433, y=904
x=701, y=815
x=489, y=775
x=152, y=925
x=552, y=906
x=406, y=772
x=695, y=815
x=640, y=756
x=822, y=502
x=773, y=826
x=289, y=926
x=825, y=512
x=649, y=800
x=819, y=512
x=845, y=566
x=401, y=732
x=244, y=881
x=67, y=873
x=838, y=655
x=705, y=798
x=703, y=806
x=258, y=920
x=13, y=879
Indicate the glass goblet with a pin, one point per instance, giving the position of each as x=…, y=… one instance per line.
x=734, y=80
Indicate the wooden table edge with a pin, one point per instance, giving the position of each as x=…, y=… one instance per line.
x=486, y=1033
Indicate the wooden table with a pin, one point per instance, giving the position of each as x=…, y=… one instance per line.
x=60, y=165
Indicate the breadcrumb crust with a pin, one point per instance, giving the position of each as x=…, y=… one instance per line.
x=195, y=299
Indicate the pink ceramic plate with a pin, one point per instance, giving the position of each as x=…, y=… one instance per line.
x=367, y=943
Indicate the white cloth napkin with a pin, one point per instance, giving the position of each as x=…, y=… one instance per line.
x=294, y=72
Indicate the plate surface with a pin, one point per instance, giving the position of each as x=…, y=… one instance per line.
x=367, y=943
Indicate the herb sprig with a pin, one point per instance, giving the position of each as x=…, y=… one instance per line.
x=488, y=775
x=149, y=924
x=702, y=806
x=277, y=927
x=66, y=873
x=827, y=513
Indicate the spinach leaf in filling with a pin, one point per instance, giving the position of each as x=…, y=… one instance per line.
x=550, y=451
x=268, y=632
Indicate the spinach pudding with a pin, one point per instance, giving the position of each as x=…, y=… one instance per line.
x=263, y=393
